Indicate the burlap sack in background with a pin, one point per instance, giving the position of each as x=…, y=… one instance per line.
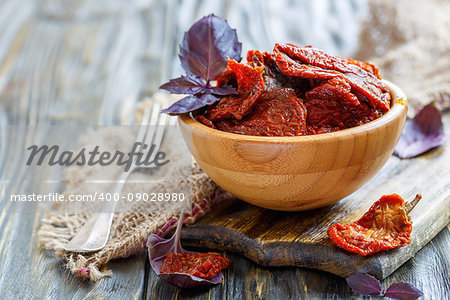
x=409, y=40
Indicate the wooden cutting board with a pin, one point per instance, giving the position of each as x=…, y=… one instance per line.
x=272, y=238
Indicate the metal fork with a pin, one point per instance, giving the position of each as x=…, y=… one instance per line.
x=94, y=234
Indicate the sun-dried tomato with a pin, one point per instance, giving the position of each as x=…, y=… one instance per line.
x=227, y=77
x=331, y=106
x=255, y=58
x=332, y=90
x=202, y=119
x=327, y=93
x=366, y=66
x=203, y=265
x=310, y=61
x=385, y=226
x=277, y=113
x=291, y=67
x=250, y=88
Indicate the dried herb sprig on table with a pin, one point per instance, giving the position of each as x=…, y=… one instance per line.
x=203, y=55
x=368, y=285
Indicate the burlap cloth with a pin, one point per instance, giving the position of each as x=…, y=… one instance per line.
x=408, y=40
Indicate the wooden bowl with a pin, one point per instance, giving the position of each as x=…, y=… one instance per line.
x=296, y=173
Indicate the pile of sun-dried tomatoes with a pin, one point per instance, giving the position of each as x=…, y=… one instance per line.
x=297, y=91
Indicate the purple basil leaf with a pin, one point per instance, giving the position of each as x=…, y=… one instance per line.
x=222, y=90
x=185, y=85
x=203, y=54
x=364, y=284
x=190, y=103
x=158, y=248
x=191, y=84
x=421, y=134
x=403, y=291
x=206, y=46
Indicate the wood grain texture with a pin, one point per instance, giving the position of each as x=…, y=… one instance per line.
x=296, y=173
x=66, y=62
x=273, y=238
x=428, y=270
x=88, y=62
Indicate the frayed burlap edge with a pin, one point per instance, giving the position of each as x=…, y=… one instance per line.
x=129, y=234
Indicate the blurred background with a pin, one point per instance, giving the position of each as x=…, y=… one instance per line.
x=91, y=61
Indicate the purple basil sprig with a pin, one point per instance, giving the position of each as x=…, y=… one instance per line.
x=422, y=133
x=203, y=54
x=206, y=46
x=158, y=248
x=403, y=291
x=368, y=285
x=364, y=284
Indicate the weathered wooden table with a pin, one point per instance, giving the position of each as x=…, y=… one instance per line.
x=84, y=63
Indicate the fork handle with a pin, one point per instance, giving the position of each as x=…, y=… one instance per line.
x=94, y=234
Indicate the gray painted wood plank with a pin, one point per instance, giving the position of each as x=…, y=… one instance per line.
x=428, y=270
x=46, y=54
x=27, y=272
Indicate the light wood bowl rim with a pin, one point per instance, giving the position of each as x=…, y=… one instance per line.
x=395, y=112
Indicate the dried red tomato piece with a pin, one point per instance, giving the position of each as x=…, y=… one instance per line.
x=313, y=63
x=334, y=89
x=329, y=116
x=335, y=92
x=255, y=58
x=385, y=226
x=277, y=113
x=250, y=87
x=331, y=107
x=273, y=78
x=203, y=265
x=291, y=67
x=227, y=77
x=202, y=119
x=369, y=67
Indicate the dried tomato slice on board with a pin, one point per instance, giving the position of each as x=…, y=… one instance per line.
x=385, y=226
